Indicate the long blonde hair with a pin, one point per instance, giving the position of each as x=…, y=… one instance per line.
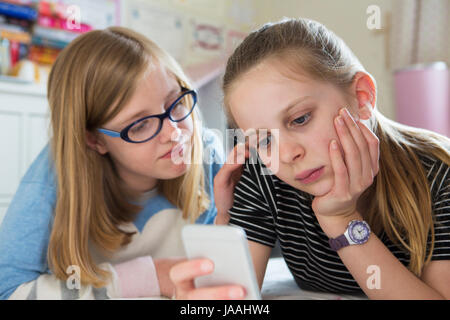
x=400, y=202
x=91, y=81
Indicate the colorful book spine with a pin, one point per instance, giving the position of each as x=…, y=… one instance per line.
x=23, y=51
x=5, y=57
x=14, y=53
x=22, y=2
x=64, y=24
x=54, y=34
x=40, y=41
x=43, y=55
x=23, y=37
x=11, y=27
x=16, y=11
x=52, y=9
x=11, y=52
x=16, y=22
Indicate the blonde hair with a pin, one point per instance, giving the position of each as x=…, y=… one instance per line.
x=400, y=203
x=91, y=81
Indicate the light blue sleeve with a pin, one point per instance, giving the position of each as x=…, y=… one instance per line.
x=25, y=230
x=214, y=159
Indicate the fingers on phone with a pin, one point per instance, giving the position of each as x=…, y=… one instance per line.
x=184, y=273
x=231, y=292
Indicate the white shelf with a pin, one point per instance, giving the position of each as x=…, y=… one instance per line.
x=200, y=74
x=30, y=89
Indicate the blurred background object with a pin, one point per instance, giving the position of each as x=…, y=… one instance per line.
x=420, y=55
x=422, y=96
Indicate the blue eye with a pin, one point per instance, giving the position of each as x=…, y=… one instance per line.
x=263, y=143
x=302, y=120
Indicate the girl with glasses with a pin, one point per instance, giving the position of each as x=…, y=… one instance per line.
x=99, y=212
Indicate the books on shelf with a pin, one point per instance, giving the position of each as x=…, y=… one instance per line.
x=43, y=55
x=18, y=11
x=22, y=2
x=45, y=42
x=16, y=23
x=52, y=9
x=52, y=28
x=15, y=36
x=63, y=24
x=11, y=52
x=54, y=34
x=35, y=30
x=15, y=29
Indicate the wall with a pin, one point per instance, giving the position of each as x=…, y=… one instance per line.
x=192, y=31
x=347, y=18
x=199, y=34
x=186, y=27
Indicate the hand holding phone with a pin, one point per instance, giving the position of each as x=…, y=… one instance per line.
x=226, y=247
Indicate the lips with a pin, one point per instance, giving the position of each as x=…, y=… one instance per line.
x=169, y=153
x=307, y=173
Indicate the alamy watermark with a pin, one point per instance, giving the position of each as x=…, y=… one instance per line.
x=374, y=280
x=374, y=19
x=74, y=277
x=73, y=13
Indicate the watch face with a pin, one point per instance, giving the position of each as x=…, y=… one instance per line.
x=359, y=231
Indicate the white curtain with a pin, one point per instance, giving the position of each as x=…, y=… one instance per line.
x=420, y=32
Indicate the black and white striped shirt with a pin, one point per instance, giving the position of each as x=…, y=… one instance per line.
x=269, y=210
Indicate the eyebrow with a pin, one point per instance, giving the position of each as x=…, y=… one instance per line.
x=143, y=113
x=290, y=106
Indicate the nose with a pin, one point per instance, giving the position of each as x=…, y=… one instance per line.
x=169, y=131
x=290, y=150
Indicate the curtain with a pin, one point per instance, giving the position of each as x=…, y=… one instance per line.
x=420, y=32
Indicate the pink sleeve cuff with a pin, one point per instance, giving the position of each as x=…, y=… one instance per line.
x=138, y=278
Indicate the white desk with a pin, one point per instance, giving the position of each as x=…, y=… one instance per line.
x=279, y=284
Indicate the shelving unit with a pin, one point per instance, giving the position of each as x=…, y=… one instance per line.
x=24, y=128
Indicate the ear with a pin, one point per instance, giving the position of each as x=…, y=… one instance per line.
x=365, y=90
x=95, y=143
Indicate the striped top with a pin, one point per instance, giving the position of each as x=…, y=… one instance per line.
x=270, y=210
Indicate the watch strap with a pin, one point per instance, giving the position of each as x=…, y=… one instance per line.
x=339, y=242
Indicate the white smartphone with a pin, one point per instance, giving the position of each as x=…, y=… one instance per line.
x=227, y=247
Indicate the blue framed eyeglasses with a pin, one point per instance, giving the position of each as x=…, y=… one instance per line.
x=148, y=127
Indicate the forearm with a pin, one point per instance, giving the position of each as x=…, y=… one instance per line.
x=372, y=261
x=396, y=281
x=222, y=217
x=260, y=257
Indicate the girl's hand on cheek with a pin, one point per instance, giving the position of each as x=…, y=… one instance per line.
x=354, y=167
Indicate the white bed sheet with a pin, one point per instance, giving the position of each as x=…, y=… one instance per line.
x=279, y=284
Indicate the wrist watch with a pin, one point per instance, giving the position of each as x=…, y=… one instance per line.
x=357, y=232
